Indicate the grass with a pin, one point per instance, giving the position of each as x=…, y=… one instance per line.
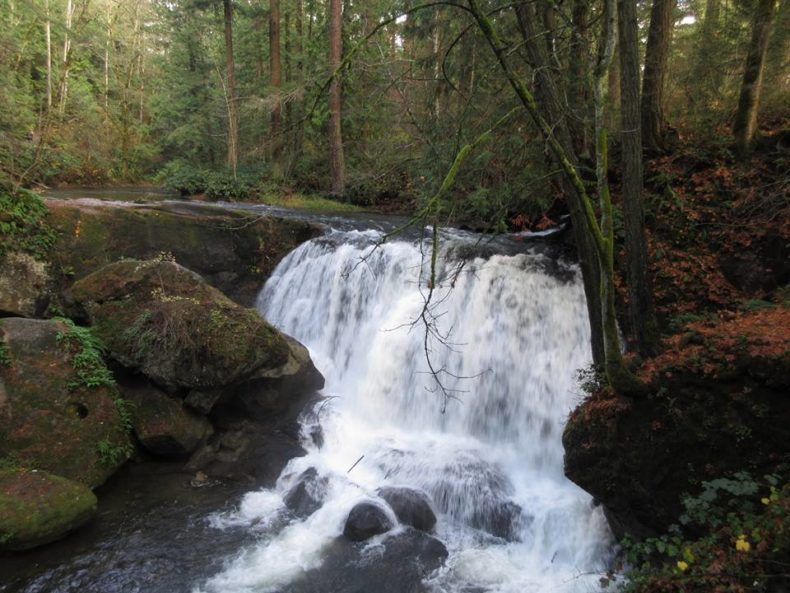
x=307, y=202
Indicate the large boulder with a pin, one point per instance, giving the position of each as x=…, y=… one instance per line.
x=307, y=494
x=234, y=250
x=162, y=424
x=166, y=321
x=412, y=507
x=24, y=285
x=37, y=508
x=49, y=418
x=365, y=520
x=718, y=404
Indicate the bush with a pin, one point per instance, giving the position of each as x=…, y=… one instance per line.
x=181, y=177
x=22, y=223
x=222, y=186
x=735, y=537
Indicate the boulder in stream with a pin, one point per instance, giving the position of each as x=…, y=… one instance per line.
x=412, y=507
x=365, y=520
x=307, y=494
x=37, y=507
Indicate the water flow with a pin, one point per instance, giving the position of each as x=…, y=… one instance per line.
x=514, y=331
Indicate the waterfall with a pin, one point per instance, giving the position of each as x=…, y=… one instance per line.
x=506, y=334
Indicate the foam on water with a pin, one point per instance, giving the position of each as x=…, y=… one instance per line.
x=491, y=462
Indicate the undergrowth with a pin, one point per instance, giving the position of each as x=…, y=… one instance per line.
x=22, y=224
x=733, y=537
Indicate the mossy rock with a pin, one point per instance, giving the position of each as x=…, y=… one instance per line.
x=37, y=507
x=234, y=251
x=166, y=321
x=24, y=285
x=161, y=423
x=717, y=405
x=48, y=420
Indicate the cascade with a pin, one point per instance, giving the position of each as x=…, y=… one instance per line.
x=507, y=333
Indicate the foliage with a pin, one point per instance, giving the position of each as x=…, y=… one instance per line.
x=733, y=537
x=22, y=223
x=112, y=455
x=223, y=186
x=179, y=176
x=307, y=202
x=87, y=357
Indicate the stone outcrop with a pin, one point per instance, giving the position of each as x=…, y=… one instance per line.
x=718, y=404
x=49, y=419
x=412, y=507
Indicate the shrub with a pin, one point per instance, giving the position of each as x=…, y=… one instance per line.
x=222, y=186
x=734, y=537
x=181, y=177
x=22, y=223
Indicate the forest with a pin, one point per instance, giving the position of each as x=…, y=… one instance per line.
x=522, y=266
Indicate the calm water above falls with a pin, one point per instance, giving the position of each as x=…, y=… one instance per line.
x=492, y=462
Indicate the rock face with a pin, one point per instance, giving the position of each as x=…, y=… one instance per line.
x=37, y=508
x=161, y=423
x=166, y=321
x=234, y=251
x=49, y=420
x=24, y=284
x=718, y=404
x=411, y=507
x=365, y=520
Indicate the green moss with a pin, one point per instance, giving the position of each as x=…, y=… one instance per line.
x=5, y=356
x=307, y=202
x=22, y=223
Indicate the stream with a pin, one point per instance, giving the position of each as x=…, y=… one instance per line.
x=504, y=332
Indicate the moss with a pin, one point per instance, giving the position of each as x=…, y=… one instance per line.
x=37, y=507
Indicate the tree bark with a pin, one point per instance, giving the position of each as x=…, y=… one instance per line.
x=659, y=37
x=64, y=83
x=641, y=308
x=48, y=34
x=578, y=74
x=230, y=91
x=336, y=164
x=745, y=124
x=276, y=76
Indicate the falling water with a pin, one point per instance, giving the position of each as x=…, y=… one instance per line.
x=506, y=334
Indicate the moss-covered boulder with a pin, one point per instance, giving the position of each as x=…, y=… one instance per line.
x=37, y=508
x=24, y=285
x=54, y=414
x=719, y=403
x=162, y=424
x=166, y=321
x=235, y=251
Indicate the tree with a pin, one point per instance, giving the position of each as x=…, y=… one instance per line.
x=276, y=76
x=640, y=306
x=745, y=124
x=654, y=124
x=336, y=160
x=230, y=89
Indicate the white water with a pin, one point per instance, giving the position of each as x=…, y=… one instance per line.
x=522, y=328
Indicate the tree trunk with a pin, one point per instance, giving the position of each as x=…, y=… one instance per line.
x=641, y=308
x=578, y=91
x=276, y=74
x=230, y=91
x=64, y=83
x=654, y=125
x=48, y=34
x=336, y=165
x=745, y=124
x=298, y=110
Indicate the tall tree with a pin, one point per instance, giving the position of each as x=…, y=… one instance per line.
x=276, y=75
x=230, y=90
x=641, y=308
x=48, y=35
x=745, y=124
x=659, y=37
x=336, y=160
x=64, y=76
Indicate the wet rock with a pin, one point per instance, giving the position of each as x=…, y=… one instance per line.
x=37, y=508
x=161, y=423
x=501, y=518
x=165, y=320
x=48, y=418
x=398, y=565
x=365, y=520
x=203, y=401
x=24, y=285
x=307, y=495
x=411, y=507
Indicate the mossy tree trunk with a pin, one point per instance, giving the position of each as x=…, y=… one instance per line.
x=659, y=37
x=745, y=124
